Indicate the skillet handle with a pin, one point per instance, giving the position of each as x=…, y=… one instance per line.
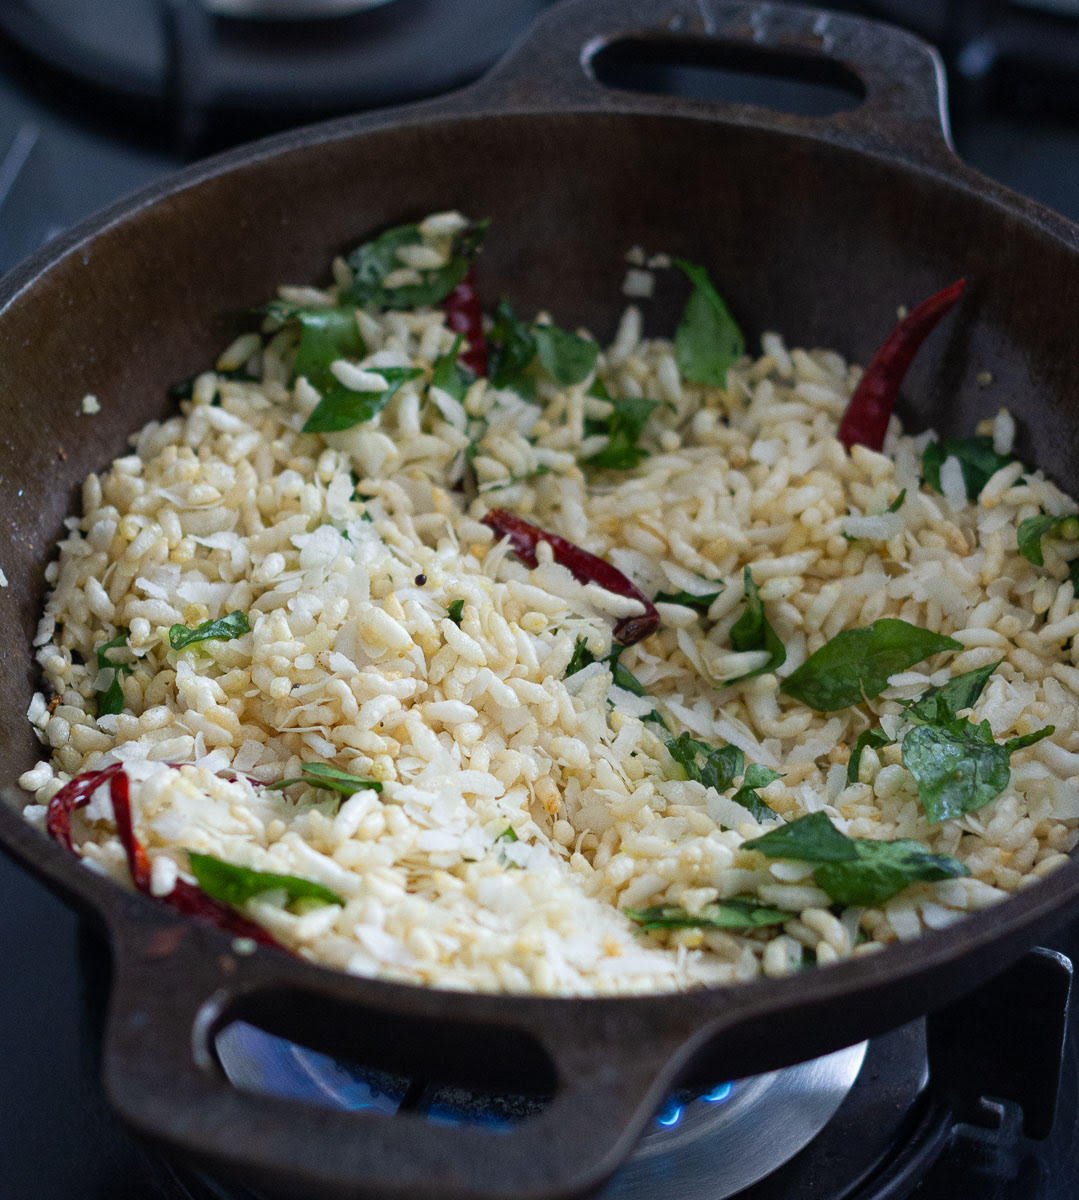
x=904, y=109
x=176, y=984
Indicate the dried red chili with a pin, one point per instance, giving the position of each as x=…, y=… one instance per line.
x=75, y=794
x=464, y=315
x=866, y=420
x=586, y=567
x=184, y=897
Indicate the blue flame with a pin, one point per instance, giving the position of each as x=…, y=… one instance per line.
x=674, y=1110
x=670, y=1114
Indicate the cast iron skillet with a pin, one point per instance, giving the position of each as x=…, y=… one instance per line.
x=815, y=227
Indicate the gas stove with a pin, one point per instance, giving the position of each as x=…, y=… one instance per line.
x=980, y=1101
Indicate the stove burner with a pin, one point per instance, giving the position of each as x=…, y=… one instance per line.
x=214, y=72
x=733, y=1136
x=723, y=1139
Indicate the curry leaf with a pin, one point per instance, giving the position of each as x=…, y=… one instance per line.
x=883, y=869
x=752, y=631
x=456, y=611
x=510, y=351
x=623, y=428
x=110, y=700
x=1031, y=531
x=340, y=408
x=756, y=776
x=855, y=871
x=977, y=458
x=326, y=334
x=1028, y=739
x=237, y=885
x=708, y=341
x=449, y=375
x=957, y=766
x=116, y=643
x=701, y=602
x=567, y=358
x=736, y=913
x=329, y=778
x=812, y=838
x=942, y=704
x=373, y=261
x=897, y=503
x=621, y=675
x=235, y=624
x=856, y=664
x=868, y=737
x=580, y=658
x=714, y=766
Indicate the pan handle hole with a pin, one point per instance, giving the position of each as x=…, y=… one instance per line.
x=311, y=1050
x=785, y=81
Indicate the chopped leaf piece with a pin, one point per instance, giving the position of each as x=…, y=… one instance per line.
x=715, y=767
x=567, y=358
x=456, y=612
x=752, y=631
x=511, y=349
x=449, y=375
x=979, y=461
x=329, y=778
x=623, y=428
x=582, y=657
x=1028, y=739
x=499, y=485
x=237, y=885
x=736, y=913
x=340, y=408
x=621, y=675
x=855, y=871
x=373, y=261
x=234, y=625
x=708, y=341
x=508, y=835
x=945, y=703
x=897, y=503
x=868, y=737
x=116, y=643
x=856, y=664
x=702, y=603
x=110, y=700
x=1031, y=531
x=756, y=776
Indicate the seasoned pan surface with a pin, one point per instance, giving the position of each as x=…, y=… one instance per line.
x=818, y=228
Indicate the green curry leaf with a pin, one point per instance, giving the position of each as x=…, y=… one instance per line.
x=753, y=631
x=237, y=885
x=233, y=625
x=856, y=664
x=708, y=341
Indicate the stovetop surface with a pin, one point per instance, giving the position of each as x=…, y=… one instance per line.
x=59, y=1140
